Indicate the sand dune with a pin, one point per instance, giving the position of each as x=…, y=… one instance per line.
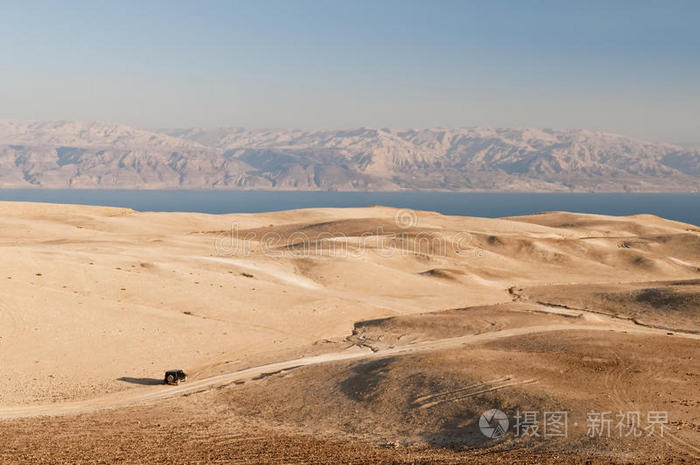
x=93, y=294
x=96, y=302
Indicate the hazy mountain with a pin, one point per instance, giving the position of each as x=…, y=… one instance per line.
x=90, y=134
x=99, y=155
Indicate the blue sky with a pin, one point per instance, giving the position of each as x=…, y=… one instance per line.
x=631, y=67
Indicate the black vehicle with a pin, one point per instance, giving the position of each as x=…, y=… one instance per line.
x=174, y=376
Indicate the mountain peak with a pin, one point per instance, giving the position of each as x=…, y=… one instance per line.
x=84, y=134
x=96, y=154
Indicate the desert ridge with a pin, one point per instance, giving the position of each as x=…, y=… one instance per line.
x=95, y=299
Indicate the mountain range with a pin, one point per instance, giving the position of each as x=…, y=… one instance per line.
x=113, y=156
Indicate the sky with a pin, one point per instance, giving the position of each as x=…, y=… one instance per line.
x=631, y=67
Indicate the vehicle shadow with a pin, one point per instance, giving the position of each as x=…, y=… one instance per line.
x=141, y=381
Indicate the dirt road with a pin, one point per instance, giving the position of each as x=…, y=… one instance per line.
x=155, y=393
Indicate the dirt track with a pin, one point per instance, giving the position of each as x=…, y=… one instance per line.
x=573, y=312
x=143, y=395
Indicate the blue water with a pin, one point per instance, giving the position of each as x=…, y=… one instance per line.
x=680, y=207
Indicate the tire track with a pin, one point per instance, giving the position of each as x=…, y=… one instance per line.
x=156, y=393
x=476, y=393
x=421, y=400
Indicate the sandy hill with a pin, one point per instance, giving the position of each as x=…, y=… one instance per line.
x=92, y=294
x=341, y=335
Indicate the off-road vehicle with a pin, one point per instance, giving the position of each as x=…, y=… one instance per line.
x=174, y=377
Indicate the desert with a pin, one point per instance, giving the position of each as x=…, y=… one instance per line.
x=353, y=232
x=345, y=335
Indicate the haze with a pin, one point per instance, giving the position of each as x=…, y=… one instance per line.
x=626, y=67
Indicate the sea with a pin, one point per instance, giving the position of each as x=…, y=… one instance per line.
x=684, y=207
